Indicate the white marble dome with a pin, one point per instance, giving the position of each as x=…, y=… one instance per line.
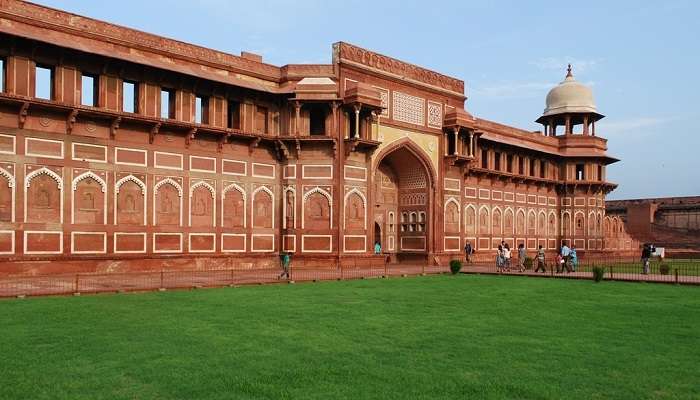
x=569, y=96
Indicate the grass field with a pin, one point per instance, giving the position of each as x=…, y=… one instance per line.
x=439, y=337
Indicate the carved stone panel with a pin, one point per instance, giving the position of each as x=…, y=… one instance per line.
x=44, y=200
x=262, y=210
x=234, y=209
x=202, y=207
x=451, y=217
x=354, y=212
x=88, y=202
x=316, y=212
x=130, y=204
x=167, y=205
x=6, y=189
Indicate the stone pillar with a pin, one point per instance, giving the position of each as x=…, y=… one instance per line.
x=356, y=134
x=568, y=125
x=379, y=123
x=471, y=144
x=334, y=111
x=297, y=116
x=593, y=128
x=456, y=139
x=585, y=125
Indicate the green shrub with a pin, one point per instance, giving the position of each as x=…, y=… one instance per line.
x=664, y=269
x=455, y=266
x=528, y=262
x=598, y=273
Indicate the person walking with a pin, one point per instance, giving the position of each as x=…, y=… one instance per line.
x=468, y=250
x=522, y=254
x=646, y=255
x=377, y=247
x=574, y=258
x=284, y=263
x=507, y=255
x=566, y=258
x=500, y=261
x=540, y=260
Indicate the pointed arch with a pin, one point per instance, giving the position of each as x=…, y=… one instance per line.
x=272, y=202
x=194, y=186
x=591, y=228
x=158, y=185
x=496, y=221
x=520, y=222
x=90, y=174
x=364, y=206
x=117, y=188
x=239, y=189
x=484, y=220
x=74, y=188
x=293, y=191
x=414, y=149
x=59, y=185
x=579, y=224
x=470, y=219
x=552, y=224
x=531, y=223
x=455, y=224
x=542, y=223
x=323, y=193
x=566, y=224
x=508, y=221
x=11, y=185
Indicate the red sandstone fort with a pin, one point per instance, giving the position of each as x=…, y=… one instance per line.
x=122, y=150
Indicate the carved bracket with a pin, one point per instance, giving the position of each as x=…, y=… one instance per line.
x=190, y=136
x=70, y=122
x=114, y=127
x=22, y=116
x=253, y=144
x=283, y=149
x=221, y=142
x=154, y=132
x=349, y=147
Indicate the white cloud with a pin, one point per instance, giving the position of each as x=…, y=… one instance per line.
x=560, y=63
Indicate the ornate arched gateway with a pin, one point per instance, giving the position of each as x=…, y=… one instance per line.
x=403, y=197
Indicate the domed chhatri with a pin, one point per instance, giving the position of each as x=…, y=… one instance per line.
x=569, y=103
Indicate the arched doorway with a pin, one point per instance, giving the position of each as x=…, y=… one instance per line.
x=402, y=195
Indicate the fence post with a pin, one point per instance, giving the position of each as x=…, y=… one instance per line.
x=231, y=275
x=77, y=284
x=161, y=279
x=675, y=274
x=611, y=272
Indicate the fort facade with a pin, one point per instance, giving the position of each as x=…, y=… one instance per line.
x=122, y=150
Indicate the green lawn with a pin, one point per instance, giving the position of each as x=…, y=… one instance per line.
x=441, y=337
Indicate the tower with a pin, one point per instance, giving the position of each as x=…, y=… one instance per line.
x=582, y=184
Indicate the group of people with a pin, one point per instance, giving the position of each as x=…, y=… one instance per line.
x=567, y=259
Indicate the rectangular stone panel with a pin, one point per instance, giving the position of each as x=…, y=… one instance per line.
x=43, y=242
x=167, y=242
x=233, y=242
x=354, y=243
x=289, y=243
x=88, y=242
x=202, y=242
x=262, y=243
x=496, y=195
x=484, y=243
x=531, y=199
x=532, y=244
x=355, y=173
x=289, y=171
x=508, y=196
x=452, y=243
x=317, y=171
x=552, y=244
x=129, y=242
x=452, y=184
x=202, y=164
x=130, y=156
x=542, y=200
x=232, y=167
x=470, y=192
x=316, y=243
x=167, y=160
x=7, y=144
x=263, y=170
x=43, y=148
x=89, y=152
x=413, y=243
x=7, y=242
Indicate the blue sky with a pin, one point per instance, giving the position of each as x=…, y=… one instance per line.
x=642, y=60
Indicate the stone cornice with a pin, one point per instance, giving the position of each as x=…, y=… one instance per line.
x=358, y=57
